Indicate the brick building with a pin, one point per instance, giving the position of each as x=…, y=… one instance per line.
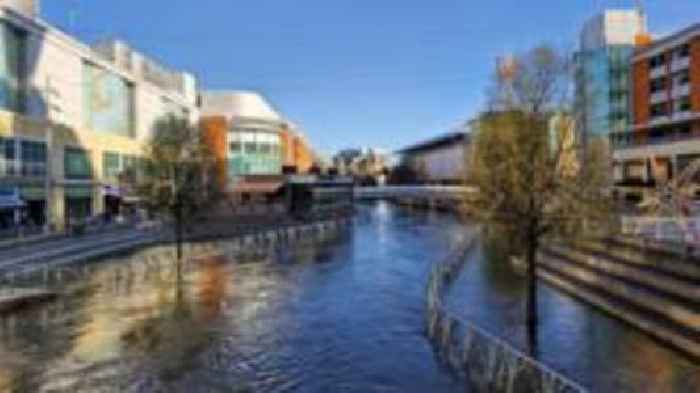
x=664, y=137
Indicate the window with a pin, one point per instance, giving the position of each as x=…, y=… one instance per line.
x=658, y=110
x=682, y=104
x=12, y=78
x=34, y=158
x=7, y=157
x=265, y=148
x=683, y=78
x=130, y=161
x=108, y=101
x=683, y=51
x=251, y=147
x=235, y=147
x=657, y=85
x=657, y=61
x=77, y=164
x=111, y=167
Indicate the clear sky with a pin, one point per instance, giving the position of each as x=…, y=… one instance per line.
x=381, y=73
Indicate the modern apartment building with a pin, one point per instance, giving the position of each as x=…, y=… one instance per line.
x=252, y=142
x=606, y=45
x=664, y=137
x=73, y=117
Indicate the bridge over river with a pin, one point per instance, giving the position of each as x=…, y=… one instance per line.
x=344, y=316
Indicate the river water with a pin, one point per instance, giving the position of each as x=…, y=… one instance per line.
x=345, y=316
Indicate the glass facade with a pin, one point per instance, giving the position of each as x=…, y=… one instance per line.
x=8, y=157
x=254, y=151
x=77, y=164
x=34, y=158
x=108, y=101
x=603, y=85
x=12, y=47
x=111, y=165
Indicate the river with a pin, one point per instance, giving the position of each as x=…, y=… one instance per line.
x=346, y=316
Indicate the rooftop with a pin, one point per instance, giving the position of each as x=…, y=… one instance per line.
x=437, y=142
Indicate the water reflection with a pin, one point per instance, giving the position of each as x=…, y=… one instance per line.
x=596, y=350
x=308, y=318
x=344, y=316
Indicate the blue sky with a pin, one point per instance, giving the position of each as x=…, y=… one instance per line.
x=380, y=73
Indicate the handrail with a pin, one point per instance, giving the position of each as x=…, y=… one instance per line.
x=441, y=323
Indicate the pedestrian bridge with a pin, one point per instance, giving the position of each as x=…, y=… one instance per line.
x=441, y=193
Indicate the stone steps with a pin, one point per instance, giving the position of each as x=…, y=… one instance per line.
x=644, y=321
x=679, y=289
x=659, y=301
x=630, y=252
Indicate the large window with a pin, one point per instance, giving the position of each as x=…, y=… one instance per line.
x=111, y=165
x=34, y=158
x=8, y=157
x=12, y=65
x=657, y=110
x=107, y=101
x=77, y=164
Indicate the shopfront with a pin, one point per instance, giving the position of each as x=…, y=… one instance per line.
x=11, y=207
x=78, y=203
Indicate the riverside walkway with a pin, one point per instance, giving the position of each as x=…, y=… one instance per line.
x=57, y=251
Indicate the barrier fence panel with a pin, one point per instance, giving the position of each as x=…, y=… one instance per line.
x=486, y=362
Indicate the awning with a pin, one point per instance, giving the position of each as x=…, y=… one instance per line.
x=11, y=202
x=257, y=187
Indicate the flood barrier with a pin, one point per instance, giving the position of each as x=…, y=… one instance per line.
x=487, y=363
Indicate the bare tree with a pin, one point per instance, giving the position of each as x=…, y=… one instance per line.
x=534, y=180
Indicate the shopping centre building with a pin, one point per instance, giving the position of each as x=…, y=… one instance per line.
x=254, y=145
x=73, y=117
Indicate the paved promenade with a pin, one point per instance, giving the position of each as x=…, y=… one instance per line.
x=33, y=255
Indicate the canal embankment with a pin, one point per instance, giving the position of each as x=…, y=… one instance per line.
x=651, y=289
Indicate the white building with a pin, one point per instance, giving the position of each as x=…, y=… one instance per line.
x=441, y=160
x=74, y=116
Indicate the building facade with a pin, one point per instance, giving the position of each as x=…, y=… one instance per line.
x=606, y=45
x=441, y=160
x=664, y=137
x=297, y=154
x=252, y=142
x=73, y=117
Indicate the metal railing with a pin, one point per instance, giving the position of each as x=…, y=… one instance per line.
x=487, y=362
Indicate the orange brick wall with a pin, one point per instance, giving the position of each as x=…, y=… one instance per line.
x=303, y=155
x=214, y=133
x=695, y=74
x=641, y=91
x=296, y=152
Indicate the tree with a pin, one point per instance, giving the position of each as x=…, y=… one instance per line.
x=178, y=179
x=534, y=179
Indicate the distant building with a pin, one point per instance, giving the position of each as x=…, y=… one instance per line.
x=606, y=45
x=366, y=165
x=441, y=160
x=251, y=141
x=664, y=137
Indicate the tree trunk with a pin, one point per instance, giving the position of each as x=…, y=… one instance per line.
x=178, y=241
x=532, y=317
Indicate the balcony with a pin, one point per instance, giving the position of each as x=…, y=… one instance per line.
x=658, y=71
x=680, y=90
x=658, y=97
x=680, y=63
